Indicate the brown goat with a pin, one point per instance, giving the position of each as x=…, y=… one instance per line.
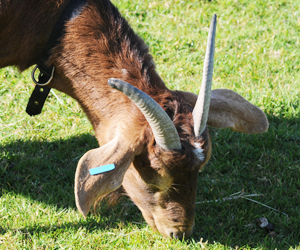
x=154, y=137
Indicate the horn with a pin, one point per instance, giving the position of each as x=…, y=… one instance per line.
x=200, y=112
x=163, y=129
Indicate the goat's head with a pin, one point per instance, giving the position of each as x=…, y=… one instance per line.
x=159, y=171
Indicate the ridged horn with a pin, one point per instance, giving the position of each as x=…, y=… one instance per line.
x=163, y=129
x=201, y=109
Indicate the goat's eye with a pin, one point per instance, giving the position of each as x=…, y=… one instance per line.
x=181, y=151
x=153, y=189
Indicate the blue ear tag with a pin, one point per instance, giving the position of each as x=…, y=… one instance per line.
x=102, y=169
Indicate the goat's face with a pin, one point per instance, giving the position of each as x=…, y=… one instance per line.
x=163, y=185
x=158, y=163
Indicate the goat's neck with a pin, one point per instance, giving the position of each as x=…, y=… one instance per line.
x=109, y=110
x=94, y=49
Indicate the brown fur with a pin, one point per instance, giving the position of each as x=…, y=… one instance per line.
x=98, y=45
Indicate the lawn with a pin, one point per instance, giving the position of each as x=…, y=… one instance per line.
x=257, y=55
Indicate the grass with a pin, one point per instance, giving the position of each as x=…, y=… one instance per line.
x=257, y=55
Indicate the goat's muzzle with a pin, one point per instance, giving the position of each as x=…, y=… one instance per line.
x=180, y=233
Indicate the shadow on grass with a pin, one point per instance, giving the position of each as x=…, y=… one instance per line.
x=268, y=164
x=44, y=171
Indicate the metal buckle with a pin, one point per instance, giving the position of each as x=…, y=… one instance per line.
x=40, y=74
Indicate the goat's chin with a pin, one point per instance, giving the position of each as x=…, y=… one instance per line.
x=150, y=220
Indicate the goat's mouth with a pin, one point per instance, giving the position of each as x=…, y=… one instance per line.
x=176, y=232
x=168, y=229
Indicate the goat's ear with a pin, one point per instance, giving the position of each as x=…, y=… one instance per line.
x=230, y=110
x=88, y=188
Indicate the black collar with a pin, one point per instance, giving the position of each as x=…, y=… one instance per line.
x=41, y=90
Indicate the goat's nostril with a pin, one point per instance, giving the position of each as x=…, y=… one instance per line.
x=180, y=233
x=177, y=235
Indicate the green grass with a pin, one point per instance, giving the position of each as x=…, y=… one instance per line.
x=257, y=55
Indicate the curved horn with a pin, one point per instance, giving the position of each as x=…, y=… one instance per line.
x=163, y=129
x=200, y=112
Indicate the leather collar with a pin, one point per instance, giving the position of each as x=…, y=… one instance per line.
x=41, y=90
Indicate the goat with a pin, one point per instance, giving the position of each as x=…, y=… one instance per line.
x=157, y=139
